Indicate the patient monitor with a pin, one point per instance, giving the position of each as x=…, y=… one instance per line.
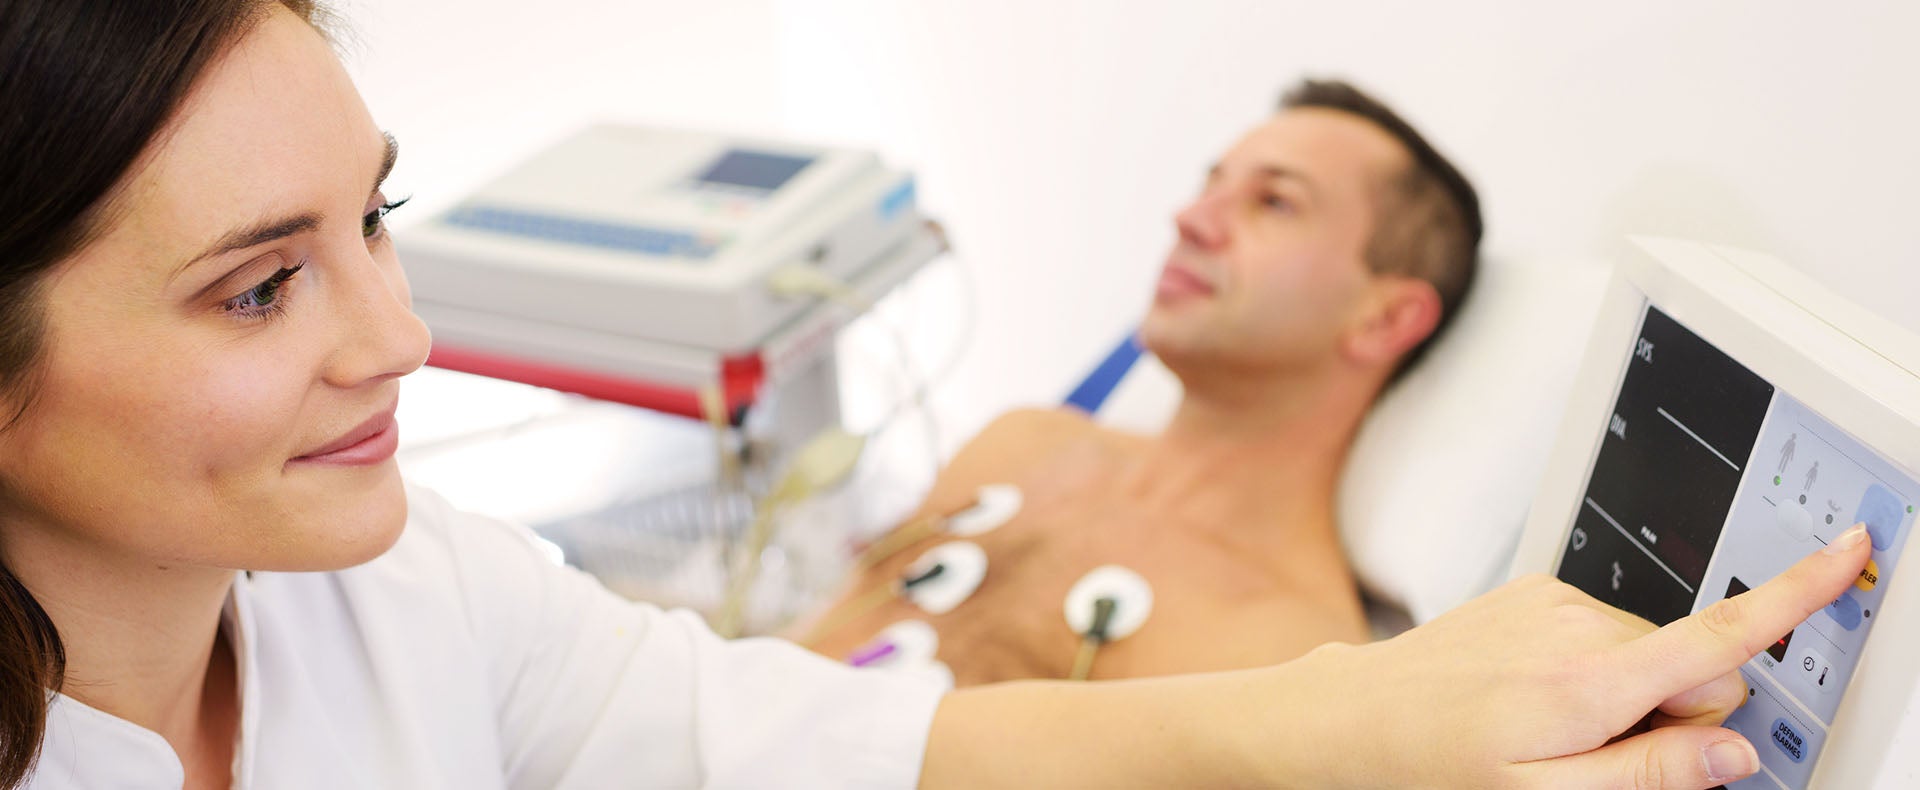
x=1730, y=417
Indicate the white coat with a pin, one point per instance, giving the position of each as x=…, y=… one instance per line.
x=462, y=658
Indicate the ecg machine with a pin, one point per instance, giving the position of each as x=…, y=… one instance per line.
x=635, y=264
x=1731, y=416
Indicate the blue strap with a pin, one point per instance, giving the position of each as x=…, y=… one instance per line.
x=1099, y=384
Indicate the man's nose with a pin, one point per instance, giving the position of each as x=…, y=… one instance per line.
x=1202, y=222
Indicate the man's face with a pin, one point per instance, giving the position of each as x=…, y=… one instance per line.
x=1269, y=270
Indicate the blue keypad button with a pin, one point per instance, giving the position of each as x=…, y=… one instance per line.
x=1882, y=512
x=1845, y=611
x=1788, y=740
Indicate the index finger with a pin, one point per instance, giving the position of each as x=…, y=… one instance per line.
x=1695, y=650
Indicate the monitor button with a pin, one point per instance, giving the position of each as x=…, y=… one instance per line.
x=1882, y=512
x=1788, y=739
x=1793, y=520
x=1817, y=671
x=1869, y=576
x=1845, y=611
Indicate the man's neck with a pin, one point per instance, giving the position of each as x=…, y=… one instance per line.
x=140, y=639
x=1243, y=450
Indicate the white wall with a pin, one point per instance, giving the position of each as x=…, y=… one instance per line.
x=1056, y=138
x=470, y=86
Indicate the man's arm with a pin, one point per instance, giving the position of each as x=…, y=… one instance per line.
x=1527, y=686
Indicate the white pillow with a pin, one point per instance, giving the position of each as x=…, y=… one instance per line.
x=1436, y=491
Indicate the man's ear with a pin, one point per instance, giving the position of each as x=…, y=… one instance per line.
x=1398, y=314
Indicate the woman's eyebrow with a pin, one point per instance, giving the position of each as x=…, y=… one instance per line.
x=255, y=234
x=274, y=229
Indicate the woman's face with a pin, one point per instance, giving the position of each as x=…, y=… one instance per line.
x=241, y=318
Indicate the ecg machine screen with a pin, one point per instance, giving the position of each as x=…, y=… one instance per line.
x=1709, y=481
x=754, y=169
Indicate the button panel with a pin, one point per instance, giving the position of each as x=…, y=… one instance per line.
x=1687, y=505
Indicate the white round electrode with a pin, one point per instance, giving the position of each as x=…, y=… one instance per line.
x=995, y=504
x=964, y=565
x=914, y=642
x=1132, y=600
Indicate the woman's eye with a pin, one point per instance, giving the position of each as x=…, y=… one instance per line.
x=263, y=299
x=374, y=223
x=1276, y=202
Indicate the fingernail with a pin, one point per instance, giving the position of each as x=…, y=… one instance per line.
x=1847, y=540
x=1729, y=760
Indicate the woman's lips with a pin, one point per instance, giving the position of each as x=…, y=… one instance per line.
x=369, y=442
x=1176, y=281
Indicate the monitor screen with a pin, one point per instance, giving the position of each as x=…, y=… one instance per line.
x=757, y=170
x=1709, y=480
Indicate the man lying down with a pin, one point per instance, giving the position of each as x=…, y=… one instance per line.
x=1325, y=251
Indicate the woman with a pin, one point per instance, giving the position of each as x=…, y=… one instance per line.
x=202, y=325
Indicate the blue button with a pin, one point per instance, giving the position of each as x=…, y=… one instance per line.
x=1788, y=740
x=1882, y=512
x=898, y=198
x=1845, y=611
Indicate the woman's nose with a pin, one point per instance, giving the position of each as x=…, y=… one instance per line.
x=381, y=337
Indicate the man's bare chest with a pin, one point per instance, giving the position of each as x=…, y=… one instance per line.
x=1015, y=623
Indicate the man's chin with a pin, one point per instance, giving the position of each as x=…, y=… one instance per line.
x=1166, y=335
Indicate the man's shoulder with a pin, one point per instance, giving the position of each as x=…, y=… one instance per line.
x=1031, y=430
x=1026, y=436
x=1037, y=422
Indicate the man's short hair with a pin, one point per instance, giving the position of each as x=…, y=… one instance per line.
x=1428, y=224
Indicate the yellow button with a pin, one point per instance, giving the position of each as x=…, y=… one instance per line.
x=1869, y=576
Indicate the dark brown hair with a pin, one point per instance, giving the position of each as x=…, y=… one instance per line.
x=85, y=86
x=1429, y=224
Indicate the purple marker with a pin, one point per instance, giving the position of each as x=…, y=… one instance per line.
x=869, y=655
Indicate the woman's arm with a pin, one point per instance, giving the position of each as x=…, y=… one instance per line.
x=1531, y=685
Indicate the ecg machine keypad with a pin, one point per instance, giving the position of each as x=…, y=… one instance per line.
x=587, y=233
x=1709, y=481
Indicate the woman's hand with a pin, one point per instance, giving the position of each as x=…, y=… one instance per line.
x=1537, y=684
